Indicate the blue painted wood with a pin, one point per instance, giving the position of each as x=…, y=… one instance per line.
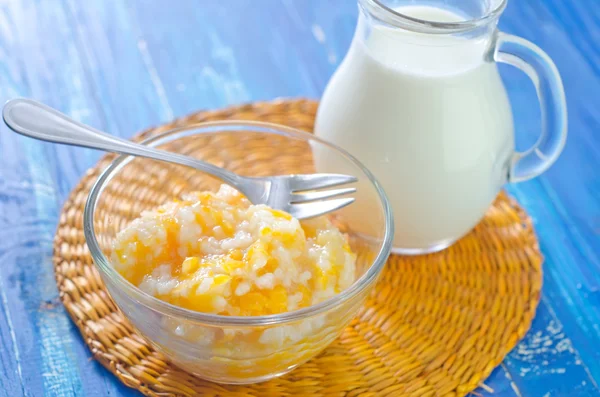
x=546, y=357
x=124, y=66
x=113, y=51
x=47, y=356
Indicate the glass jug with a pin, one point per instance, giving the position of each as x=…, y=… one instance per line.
x=419, y=100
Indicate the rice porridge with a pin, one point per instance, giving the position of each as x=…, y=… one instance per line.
x=217, y=253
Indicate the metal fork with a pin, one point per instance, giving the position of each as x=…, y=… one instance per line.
x=300, y=195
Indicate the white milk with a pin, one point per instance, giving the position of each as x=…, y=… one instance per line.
x=430, y=118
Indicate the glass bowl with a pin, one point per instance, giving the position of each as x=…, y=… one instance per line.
x=229, y=349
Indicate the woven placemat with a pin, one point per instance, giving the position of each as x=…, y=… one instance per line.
x=434, y=325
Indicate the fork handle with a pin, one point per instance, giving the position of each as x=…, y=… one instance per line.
x=36, y=120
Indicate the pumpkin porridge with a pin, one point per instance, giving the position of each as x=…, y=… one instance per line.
x=218, y=253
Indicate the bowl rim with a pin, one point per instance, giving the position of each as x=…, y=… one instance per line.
x=106, y=269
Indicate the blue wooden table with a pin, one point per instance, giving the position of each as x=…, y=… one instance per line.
x=123, y=66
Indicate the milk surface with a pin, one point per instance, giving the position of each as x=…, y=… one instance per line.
x=430, y=118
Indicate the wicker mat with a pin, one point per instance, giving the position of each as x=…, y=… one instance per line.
x=447, y=321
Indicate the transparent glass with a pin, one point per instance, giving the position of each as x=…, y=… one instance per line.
x=230, y=349
x=418, y=99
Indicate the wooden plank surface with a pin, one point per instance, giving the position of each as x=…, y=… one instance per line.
x=124, y=66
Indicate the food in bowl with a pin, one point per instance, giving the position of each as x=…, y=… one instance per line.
x=218, y=253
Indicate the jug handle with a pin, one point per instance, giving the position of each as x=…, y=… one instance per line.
x=538, y=66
